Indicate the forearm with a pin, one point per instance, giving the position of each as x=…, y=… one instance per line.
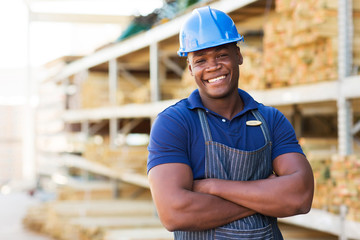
x=198, y=211
x=181, y=208
x=288, y=194
x=272, y=197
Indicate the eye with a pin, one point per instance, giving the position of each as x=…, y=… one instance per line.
x=199, y=61
x=222, y=55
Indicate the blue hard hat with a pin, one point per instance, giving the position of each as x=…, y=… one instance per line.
x=206, y=27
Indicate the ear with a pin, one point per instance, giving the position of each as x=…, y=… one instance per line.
x=190, y=68
x=240, y=57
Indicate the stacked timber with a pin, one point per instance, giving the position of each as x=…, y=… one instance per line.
x=35, y=217
x=187, y=85
x=177, y=88
x=93, y=190
x=95, y=91
x=299, y=43
x=139, y=234
x=90, y=220
x=337, y=179
x=252, y=75
x=319, y=148
x=345, y=173
x=122, y=158
x=337, y=182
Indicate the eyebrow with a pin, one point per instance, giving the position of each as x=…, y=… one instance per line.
x=217, y=49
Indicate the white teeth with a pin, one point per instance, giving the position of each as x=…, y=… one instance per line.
x=215, y=79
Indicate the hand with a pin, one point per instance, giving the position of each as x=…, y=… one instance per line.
x=204, y=185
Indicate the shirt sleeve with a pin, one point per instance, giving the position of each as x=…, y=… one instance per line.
x=167, y=144
x=283, y=134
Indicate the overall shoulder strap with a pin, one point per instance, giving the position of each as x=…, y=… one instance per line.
x=263, y=126
x=204, y=125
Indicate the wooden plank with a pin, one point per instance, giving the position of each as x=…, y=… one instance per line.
x=102, y=208
x=146, y=110
x=139, y=234
x=93, y=190
x=92, y=228
x=116, y=222
x=129, y=177
x=324, y=221
x=291, y=232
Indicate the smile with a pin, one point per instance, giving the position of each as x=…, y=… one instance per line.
x=216, y=79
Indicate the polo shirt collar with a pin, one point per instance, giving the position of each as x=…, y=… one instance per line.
x=194, y=101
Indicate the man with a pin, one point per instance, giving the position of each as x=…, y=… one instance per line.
x=221, y=165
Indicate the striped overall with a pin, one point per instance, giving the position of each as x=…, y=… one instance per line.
x=224, y=162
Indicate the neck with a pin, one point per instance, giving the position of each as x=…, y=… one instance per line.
x=226, y=107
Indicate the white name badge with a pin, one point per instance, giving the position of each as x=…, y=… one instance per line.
x=253, y=123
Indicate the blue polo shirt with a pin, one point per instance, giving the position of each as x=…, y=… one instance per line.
x=176, y=135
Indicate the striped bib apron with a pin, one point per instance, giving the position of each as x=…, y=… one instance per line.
x=224, y=162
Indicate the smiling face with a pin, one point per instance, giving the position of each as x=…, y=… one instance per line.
x=216, y=70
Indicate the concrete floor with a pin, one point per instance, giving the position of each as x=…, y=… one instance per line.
x=12, y=210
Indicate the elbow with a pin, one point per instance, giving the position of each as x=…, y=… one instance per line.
x=306, y=199
x=174, y=224
x=302, y=201
x=306, y=204
x=173, y=218
x=171, y=222
x=302, y=204
x=303, y=208
x=169, y=225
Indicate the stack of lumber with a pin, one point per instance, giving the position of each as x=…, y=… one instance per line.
x=186, y=86
x=300, y=43
x=293, y=232
x=95, y=91
x=139, y=234
x=35, y=217
x=178, y=89
x=345, y=173
x=337, y=182
x=129, y=158
x=337, y=179
x=91, y=220
x=93, y=190
x=252, y=70
x=317, y=149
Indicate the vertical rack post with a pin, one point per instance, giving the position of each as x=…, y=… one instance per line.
x=154, y=72
x=345, y=32
x=343, y=211
x=113, y=77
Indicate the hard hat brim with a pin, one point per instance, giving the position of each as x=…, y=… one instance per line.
x=183, y=53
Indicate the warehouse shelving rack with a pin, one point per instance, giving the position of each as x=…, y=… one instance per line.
x=159, y=41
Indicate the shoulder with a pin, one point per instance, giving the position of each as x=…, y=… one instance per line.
x=177, y=117
x=271, y=114
x=179, y=111
x=277, y=122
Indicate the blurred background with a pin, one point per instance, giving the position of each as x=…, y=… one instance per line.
x=82, y=81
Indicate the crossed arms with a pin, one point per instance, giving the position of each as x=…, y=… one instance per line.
x=184, y=204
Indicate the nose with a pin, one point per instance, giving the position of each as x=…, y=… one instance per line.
x=213, y=65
